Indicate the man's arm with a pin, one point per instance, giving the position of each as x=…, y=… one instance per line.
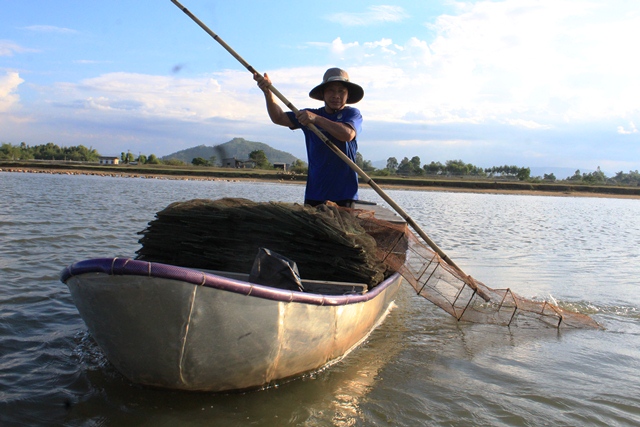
x=276, y=114
x=340, y=131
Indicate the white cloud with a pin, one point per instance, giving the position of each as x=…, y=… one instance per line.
x=90, y=62
x=228, y=95
x=9, y=48
x=338, y=47
x=8, y=86
x=493, y=71
x=373, y=15
x=434, y=143
x=50, y=29
x=529, y=63
x=147, y=95
x=632, y=129
x=528, y=124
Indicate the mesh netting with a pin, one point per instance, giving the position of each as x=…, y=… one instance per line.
x=335, y=244
x=468, y=299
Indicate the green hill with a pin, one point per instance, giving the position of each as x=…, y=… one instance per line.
x=237, y=147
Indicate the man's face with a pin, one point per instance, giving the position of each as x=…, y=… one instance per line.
x=335, y=96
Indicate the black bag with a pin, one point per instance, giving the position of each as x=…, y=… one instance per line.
x=272, y=269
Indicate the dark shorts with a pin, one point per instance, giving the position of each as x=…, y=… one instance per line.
x=344, y=203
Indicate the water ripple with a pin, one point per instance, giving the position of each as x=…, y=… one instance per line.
x=421, y=367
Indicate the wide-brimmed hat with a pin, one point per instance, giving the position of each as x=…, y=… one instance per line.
x=337, y=75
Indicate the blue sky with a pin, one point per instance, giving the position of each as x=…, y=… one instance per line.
x=538, y=83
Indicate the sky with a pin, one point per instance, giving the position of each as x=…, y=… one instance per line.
x=531, y=83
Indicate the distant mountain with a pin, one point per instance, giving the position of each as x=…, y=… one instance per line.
x=237, y=147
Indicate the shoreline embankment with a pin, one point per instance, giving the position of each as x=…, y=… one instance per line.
x=397, y=183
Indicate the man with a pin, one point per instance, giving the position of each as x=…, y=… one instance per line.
x=330, y=178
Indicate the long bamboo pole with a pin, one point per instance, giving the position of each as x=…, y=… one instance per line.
x=366, y=178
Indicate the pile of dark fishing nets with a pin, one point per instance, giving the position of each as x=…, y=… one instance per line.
x=326, y=242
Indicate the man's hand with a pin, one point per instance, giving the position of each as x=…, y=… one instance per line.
x=263, y=81
x=276, y=114
x=306, y=117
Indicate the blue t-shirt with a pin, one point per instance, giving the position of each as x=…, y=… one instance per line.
x=330, y=178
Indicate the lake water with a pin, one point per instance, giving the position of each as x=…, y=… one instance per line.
x=421, y=367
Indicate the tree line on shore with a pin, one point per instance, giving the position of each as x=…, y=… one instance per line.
x=414, y=168
x=406, y=167
x=49, y=151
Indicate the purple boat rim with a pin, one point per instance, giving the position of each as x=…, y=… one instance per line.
x=131, y=267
